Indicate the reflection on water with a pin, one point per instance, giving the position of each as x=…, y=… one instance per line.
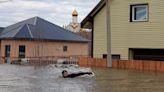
x=15, y=78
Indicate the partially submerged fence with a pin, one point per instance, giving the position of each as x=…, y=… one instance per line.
x=40, y=60
x=81, y=61
x=92, y=62
x=139, y=65
x=53, y=60
x=124, y=64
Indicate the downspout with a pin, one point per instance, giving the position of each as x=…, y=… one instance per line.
x=108, y=29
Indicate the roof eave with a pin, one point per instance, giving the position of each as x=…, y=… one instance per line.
x=87, y=22
x=35, y=39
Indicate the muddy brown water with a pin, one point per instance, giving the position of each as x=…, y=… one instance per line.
x=16, y=78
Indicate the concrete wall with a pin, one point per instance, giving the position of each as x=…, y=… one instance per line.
x=44, y=48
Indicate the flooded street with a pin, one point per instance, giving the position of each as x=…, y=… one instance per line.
x=112, y=80
x=16, y=78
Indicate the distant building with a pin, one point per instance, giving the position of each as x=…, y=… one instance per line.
x=87, y=35
x=74, y=26
x=36, y=37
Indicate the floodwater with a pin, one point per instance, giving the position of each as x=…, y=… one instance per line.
x=16, y=78
x=112, y=80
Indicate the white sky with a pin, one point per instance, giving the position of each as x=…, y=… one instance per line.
x=56, y=11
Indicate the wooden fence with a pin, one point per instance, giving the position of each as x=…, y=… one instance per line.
x=139, y=65
x=92, y=62
x=97, y=62
x=39, y=60
x=124, y=64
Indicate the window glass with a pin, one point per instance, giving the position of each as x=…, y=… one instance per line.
x=104, y=56
x=65, y=48
x=22, y=51
x=139, y=13
x=7, y=51
x=116, y=57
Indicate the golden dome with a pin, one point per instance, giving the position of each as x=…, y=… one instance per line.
x=74, y=13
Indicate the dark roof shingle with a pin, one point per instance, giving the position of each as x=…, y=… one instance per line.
x=1, y=29
x=38, y=28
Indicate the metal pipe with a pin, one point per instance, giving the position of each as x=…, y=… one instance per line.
x=108, y=29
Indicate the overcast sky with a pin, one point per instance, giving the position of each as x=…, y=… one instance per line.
x=56, y=11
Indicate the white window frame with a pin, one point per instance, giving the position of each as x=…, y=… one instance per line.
x=133, y=12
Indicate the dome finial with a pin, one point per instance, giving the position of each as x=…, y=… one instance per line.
x=74, y=13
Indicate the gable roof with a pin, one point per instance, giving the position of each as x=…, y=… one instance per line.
x=38, y=28
x=87, y=21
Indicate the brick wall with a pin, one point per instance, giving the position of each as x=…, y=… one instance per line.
x=44, y=48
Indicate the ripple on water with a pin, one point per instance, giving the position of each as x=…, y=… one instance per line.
x=16, y=78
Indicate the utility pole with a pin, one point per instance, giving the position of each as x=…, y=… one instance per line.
x=108, y=29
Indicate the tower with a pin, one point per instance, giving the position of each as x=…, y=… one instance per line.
x=74, y=26
x=74, y=16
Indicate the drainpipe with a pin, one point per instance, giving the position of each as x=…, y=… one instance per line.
x=108, y=29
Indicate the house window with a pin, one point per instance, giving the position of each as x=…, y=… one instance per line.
x=65, y=48
x=139, y=12
x=104, y=56
x=7, y=51
x=116, y=57
x=22, y=51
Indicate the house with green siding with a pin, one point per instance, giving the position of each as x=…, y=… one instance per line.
x=136, y=29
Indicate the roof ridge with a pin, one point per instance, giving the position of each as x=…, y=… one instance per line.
x=30, y=31
x=35, y=21
x=20, y=29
